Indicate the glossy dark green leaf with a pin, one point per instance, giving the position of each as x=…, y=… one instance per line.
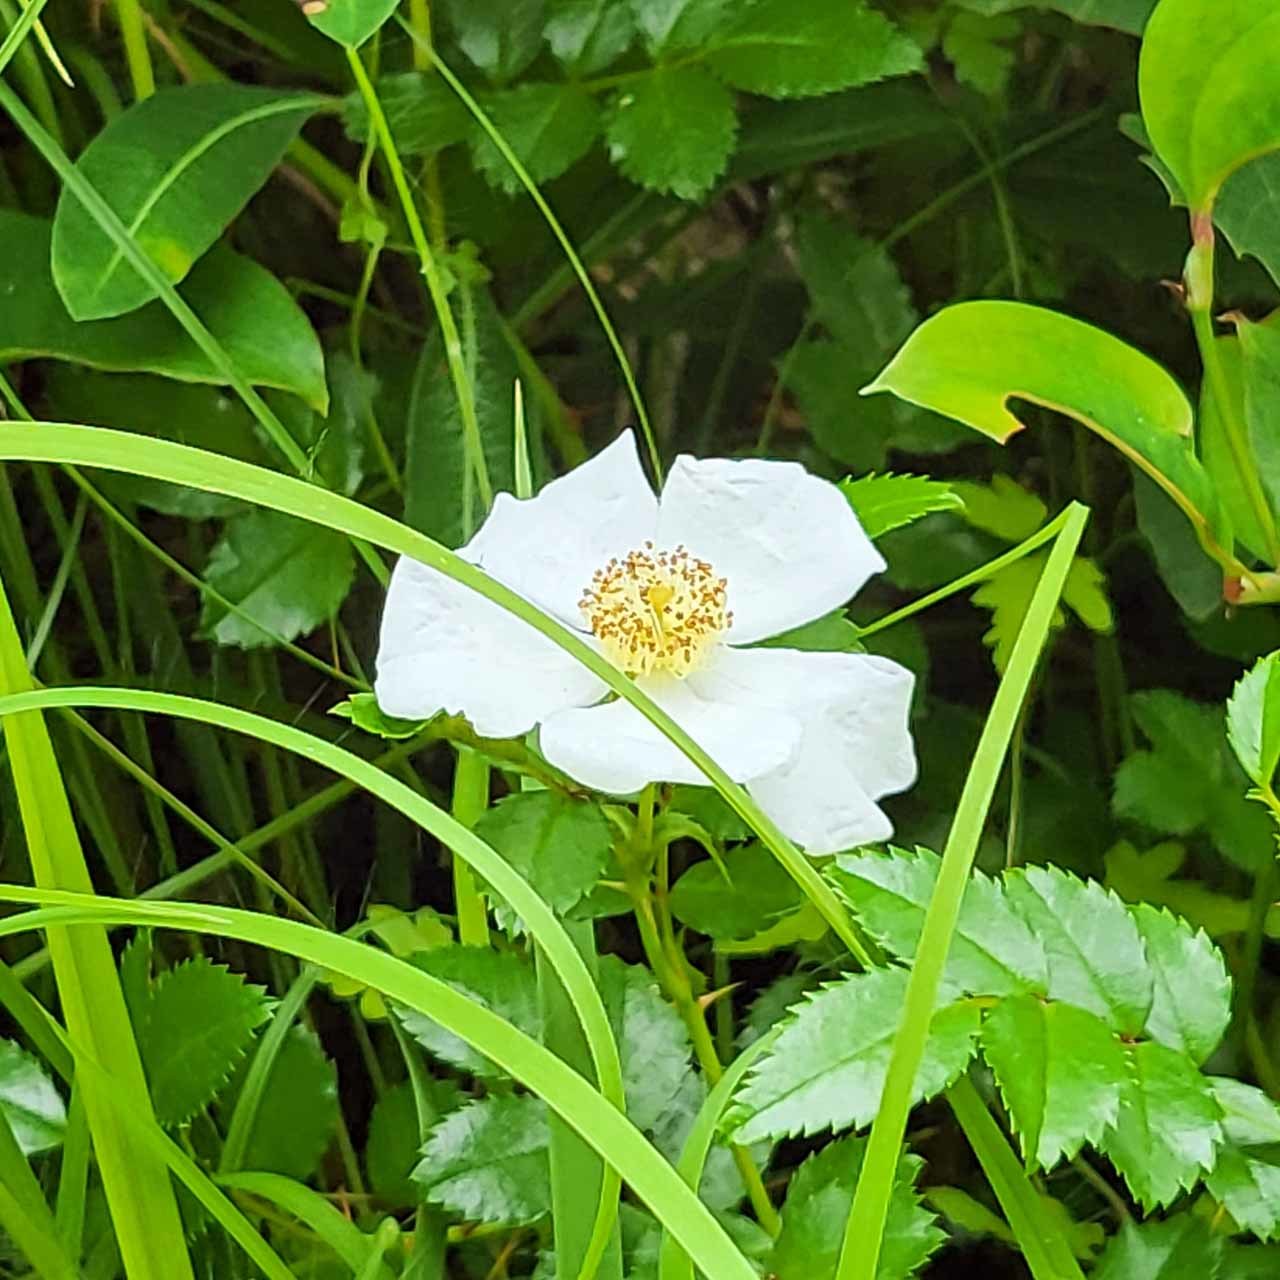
x=350, y=22
x=176, y=168
x=198, y=1021
x=673, y=131
x=29, y=1100
x=1193, y=579
x=548, y=126
x=501, y=37
x=488, y=1161
x=1215, y=447
x=827, y=1069
x=800, y=48
x=250, y=313
x=1061, y=1071
x=742, y=896
x=1253, y=720
x=1176, y=1249
x=817, y=1209
x=587, y=35
x=285, y=573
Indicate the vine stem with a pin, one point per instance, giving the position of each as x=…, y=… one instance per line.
x=470, y=799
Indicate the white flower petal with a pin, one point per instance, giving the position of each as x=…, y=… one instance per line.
x=613, y=748
x=787, y=541
x=547, y=547
x=443, y=647
x=856, y=746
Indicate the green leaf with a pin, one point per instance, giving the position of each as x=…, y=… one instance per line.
x=974, y=44
x=298, y=1113
x=284, y=572
x=1191, y=1005
x=1260, y=347
x=500, y=981
x=1167, y=1134
x=29, y=1101
x=198, y=1020
x=245, y=308
x=363, y=711
x=832, y=633
x=1248, y=211
x=501, y=37
x=560, y=844
x=350, y=22
x=708, y=808
x=672, y=25
x=1060, y=1071
x=1245, y=1262
x=968, y=360
x=1194, y=579
x=993, y=951
x=1175, y=1249
x=1125, y=15
x=674, y=131
x=585, y=36
x=1249, y=1117
x=883, y=503
x=743, y=896
x=1208, y=100
x=488, y=1161
x=1096, y=957
x=827, y=1069
x=802, y=48
x=548, y=126
x=423, y=113
x=817, y=1207
x=1002, y=507
x=176, y=168
x=1247, y=1184
x=1189, y=780
x=1253, y=720
x=393, y=1147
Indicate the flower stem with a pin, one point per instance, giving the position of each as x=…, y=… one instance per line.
x=470, y=800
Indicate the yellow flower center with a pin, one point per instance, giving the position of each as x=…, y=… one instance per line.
x=656, y=610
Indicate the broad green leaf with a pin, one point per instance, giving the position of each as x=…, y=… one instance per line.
x=298, y=1114
x=1060, y=1071
x=1248, y=211
x=488, y=1161
x=1167, y=1133
x=282, y=571
x=1096, y=957
x=558, y=843
x=883, y=503
x=548, y=126
x=501, y=37
x=969, y=359
x=1189, y=780
x=423, y=113
x=707, y=807
x=827, y=1069
x=350, y=22
x=1249, y=1262
x=587, y=35
x=1125, y=15
x=1260, y=347
x=652, y=1040
x=801, y=48
x=176, y=168
x=198, y=1020
x=1253, y=720
x=250, y=313
x=29, y=1101
x=1177, y=1249
x=817, y=1207
x=720, y=1188
x=500, y=981
x=1193, y=578
x=1247, y=1184
x=993, y=951
x=671, y=25
x=1191, y=1005
x=1208, y=99
x=393, y=1146
x=737, y=898
x=673, y=131
x=1249, y=1117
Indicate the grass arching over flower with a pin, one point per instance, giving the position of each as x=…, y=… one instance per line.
x=673, y=590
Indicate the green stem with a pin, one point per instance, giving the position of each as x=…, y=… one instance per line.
x=470, y=800
x=137, y=54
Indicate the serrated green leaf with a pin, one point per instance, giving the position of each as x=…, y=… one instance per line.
x=423, y=113
x=975, y=45
x=198, y=1020
x=993, y=951
x=282, y=571
x=721, y=1186
x=801, y=48
x=500, y=981
x=739, y=899
x=30, y=1101
x=176, y=168
x=1168, y=1130
x=1002, y=507
x=673, y=131
x=827, y=1069
x=884, y=503
x=549, y=126
x=1249, y=1117
x=817, y=1209
x=1247, y=1183
x=560, y=844
x=488, y=1161
x=671, y=25
x=363, y=711
x=1253, y=720
x=1191, y=1004
x=1176, y=1249
x=1061, y=1071
x=501, y=37
x=393, y=1147
x=585, y=36
x=1096, y=957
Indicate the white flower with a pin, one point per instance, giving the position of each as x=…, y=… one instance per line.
x=670, y=589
